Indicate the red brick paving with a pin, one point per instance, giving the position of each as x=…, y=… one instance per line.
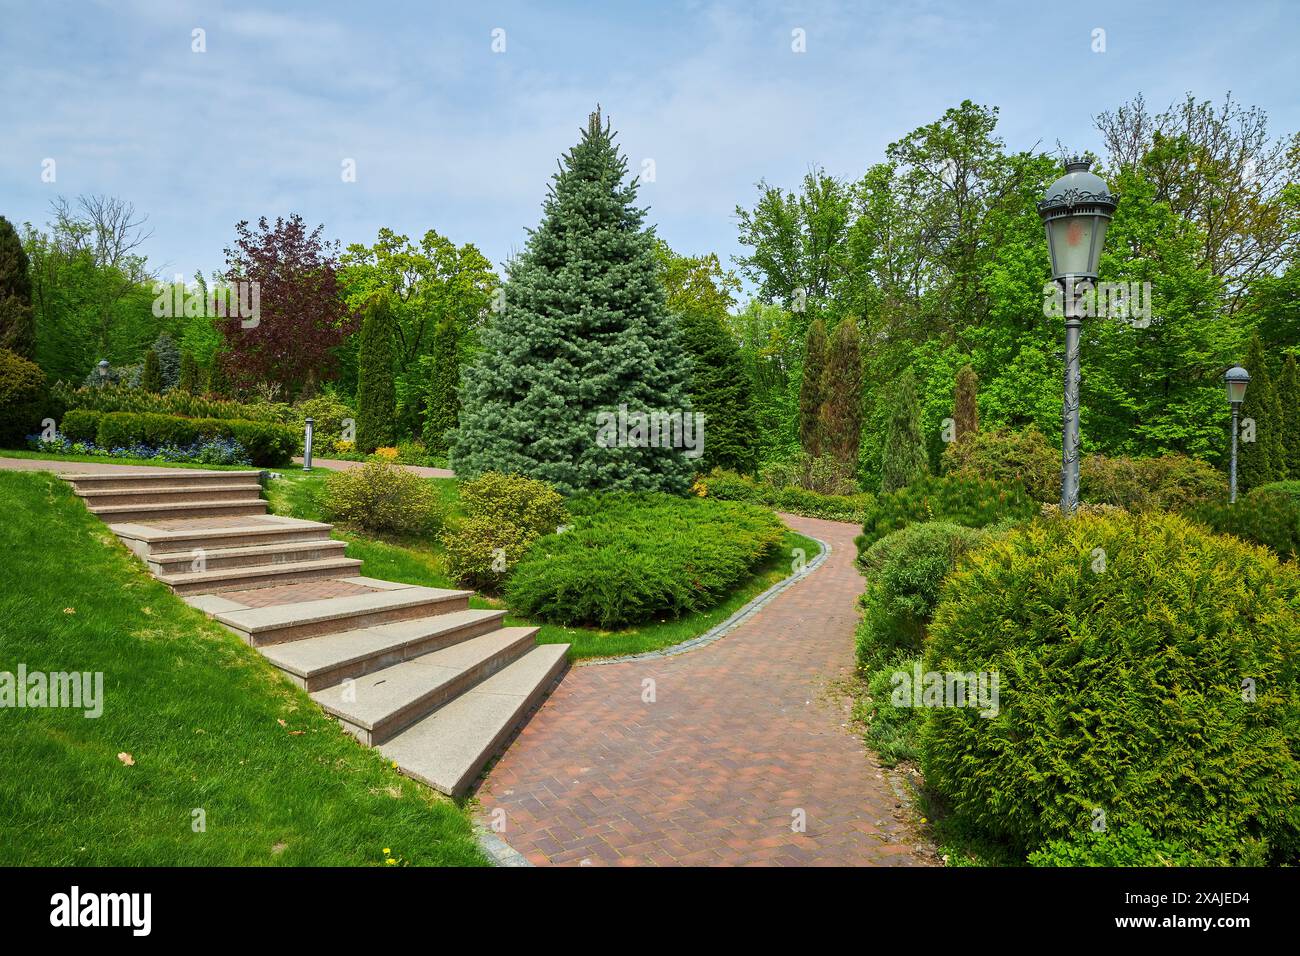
x=741, y=735
x=294, y=593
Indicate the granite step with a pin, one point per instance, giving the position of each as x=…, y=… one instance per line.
x=261, y=576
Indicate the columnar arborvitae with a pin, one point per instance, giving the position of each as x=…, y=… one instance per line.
x=1288, y=393
x=169, y=359
x=903, y=459
x=841, y=411
x=1263, y=459
x=583, y=331
x=188, y=381
x=811, y=388
x=151, y=376
x=17, y=323
x=965, y=410
x=721, y=390
x=442, y=403
x=376, y=392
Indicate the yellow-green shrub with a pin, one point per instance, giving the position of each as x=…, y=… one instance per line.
x=380, y=496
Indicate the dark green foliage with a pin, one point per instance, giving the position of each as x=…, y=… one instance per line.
x=811, y=388
x=965, y=407
x=151, y=377
x=23, y=398
x=17, y=324
x=1288, y=390
x=169, y=360
x=729, y=486
x=1268, y=516
x=584, y=330
x=904, y=458
x=630, y=559
x=442, y=403
x=841, y=411
x=81, y=424
x=905, y=571
x=267, y=443
x=1168, y=483
x=1131, y=846
x=1121, y=686
x=1264, y=459
x=376, y=394
x=972, y=502
x=720, y=389
x=999, y=454
x=188, y=378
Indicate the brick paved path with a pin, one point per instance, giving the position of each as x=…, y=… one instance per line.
x=742, y=734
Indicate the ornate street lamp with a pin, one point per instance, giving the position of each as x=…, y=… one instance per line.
x=1076, y=210
x=102, y=367
x=1236, y=378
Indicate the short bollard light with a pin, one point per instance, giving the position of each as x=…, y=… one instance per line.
x=306, y=446
x=1236, y=378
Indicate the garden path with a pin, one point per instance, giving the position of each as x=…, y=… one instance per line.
x=744, y=738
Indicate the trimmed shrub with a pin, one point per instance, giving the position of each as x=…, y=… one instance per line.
x=1121, y=686
x=972, y=502
x=825, y=475
x=1024, y=457
x=265, y=442
x=632, y=558
x=481, y=551
x=729, y=486
x=1165, y=483
x=383, y=497
x=1131, y=846
x=1269, y=516
x=23, y=397
x=530, y=505
x=80, y=424
x=905, y=571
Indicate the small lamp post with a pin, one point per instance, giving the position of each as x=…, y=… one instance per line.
x=1236, y=378
x=306, y=446
x=103, y=371
x=1076, y=209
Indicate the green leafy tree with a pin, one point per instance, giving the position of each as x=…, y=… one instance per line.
x=905, y=457
x=188, y=380
x=442, y=411
x=1289, y=400
x=151, y=377
x=376, y=395
x=965, y=407
x=812, y=389
x=700, y=294
x=841, y=411
x=17, y=324
x=584, y=330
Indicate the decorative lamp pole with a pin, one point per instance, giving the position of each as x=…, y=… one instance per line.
x=306, y=445
x=1236, y=378
x=103, y=371
x=1076, y=210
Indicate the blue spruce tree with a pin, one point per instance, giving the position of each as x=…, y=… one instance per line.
x=583, y=330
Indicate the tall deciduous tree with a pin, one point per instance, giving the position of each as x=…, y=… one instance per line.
x=584, y=331
x=376, y=395
x=442, y=408
x=302, y=316
x=965, y=408
x=812, y=388
x=841, y=411
x=17, y=324
x=904, y=457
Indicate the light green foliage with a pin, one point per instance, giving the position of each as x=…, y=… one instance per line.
x=904, y=458
x=973, y=502
x=383, y=497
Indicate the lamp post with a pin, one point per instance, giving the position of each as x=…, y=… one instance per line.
x=1236, y=378
x=103, y=371
x=1076, y=209
x=309, y=428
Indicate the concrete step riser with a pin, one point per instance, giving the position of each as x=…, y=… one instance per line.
x=296, y=632
x=235, y=508
x=145, y=482
x=213, y=560
x=254, y=581
x=174, y=496
x=211, y=542
x=355, y=669
x=399, y=720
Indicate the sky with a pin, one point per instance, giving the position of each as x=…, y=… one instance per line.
x=455, y=114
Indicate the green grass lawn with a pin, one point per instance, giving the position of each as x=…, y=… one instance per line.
x=108, y=459
x=420, y=561
x=208, y=724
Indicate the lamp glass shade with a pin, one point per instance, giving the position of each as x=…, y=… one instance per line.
x=1075, y=243
x=1236, y=390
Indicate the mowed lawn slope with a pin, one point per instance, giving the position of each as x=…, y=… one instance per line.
x=208, y=724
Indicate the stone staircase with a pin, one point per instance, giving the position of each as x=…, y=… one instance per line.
x=435, y=685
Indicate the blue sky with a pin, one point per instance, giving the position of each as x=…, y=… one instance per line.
x=447, y=134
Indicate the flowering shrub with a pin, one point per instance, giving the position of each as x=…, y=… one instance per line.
x=208, y=451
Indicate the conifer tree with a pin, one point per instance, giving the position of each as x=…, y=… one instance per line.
x=904, y=458
x=1289, y=399
x=188, y=380
x=721, y=391
x=151, y=377
x=841, y=411
x=584, y=330
x=965, y=410
x=442, y=404
x=17, y=323
x=169, y=359
x=376, y=392
x=1261, y=460
x=811, y=388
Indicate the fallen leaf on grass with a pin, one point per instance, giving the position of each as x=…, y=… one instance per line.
x=126, y=758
